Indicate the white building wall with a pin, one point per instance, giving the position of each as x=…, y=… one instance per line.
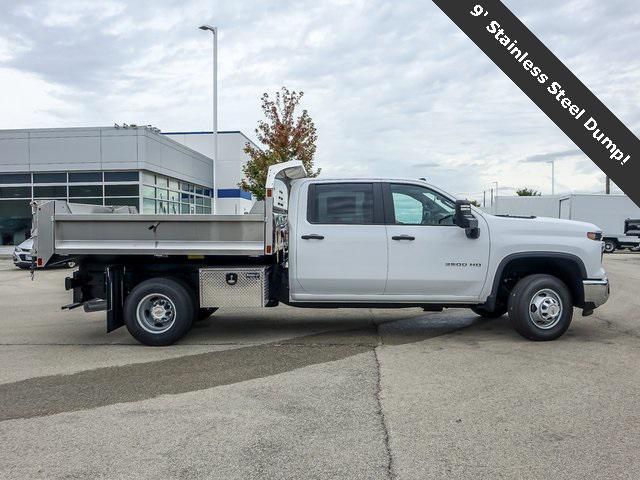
x=231, y=200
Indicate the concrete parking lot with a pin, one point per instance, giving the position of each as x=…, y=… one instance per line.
x=293, y=393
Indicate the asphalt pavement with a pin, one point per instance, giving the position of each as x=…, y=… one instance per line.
x=300, y=393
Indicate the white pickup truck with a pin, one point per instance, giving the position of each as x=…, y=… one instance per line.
x=326, y=244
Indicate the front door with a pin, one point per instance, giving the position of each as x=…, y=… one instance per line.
x=430, y=258
x=341, y=242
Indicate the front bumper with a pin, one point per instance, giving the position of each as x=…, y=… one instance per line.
x=22, y=258
x=596, y=293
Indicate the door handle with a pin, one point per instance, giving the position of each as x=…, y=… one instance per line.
x=403, y=237
x=313, y=236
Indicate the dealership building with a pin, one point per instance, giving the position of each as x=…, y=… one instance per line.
x=137, y=166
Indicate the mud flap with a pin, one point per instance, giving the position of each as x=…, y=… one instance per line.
x=115, y=297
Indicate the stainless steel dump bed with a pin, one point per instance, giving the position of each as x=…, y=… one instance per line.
x=69, y=229
x=66, y=229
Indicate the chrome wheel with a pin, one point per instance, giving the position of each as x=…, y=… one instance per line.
x=545, y=309
x=156, y=313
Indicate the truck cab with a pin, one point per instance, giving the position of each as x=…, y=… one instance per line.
x=325, y=243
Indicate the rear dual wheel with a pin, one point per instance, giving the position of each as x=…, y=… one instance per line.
x=159, y=311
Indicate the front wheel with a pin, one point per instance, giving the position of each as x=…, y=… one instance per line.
x=540, y=307
x=159, y=311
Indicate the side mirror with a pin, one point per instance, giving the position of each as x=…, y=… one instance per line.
x=464, y=219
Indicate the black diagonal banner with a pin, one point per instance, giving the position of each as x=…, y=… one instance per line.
x=551, y=86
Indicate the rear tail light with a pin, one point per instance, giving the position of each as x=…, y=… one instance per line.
x=595, y=236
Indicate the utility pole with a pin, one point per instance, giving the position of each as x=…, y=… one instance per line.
x=607, y=187
x=214, y=32
x=484, y=198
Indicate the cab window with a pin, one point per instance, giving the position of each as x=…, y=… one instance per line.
x=341, y=203
x=416, y=205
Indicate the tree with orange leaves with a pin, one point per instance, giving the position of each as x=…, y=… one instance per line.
x=285, y=135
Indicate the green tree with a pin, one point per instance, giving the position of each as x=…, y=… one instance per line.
x=285, y=135
x=528, y=192
x=475, y=203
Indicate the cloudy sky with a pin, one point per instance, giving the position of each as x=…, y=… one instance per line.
x=394, y=87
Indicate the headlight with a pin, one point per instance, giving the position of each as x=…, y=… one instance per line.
x=18, y=249
x=594, y=236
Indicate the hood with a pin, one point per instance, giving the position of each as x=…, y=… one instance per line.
x=543, y=225
x=27, y=244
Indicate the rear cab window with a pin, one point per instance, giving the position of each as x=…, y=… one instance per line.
x=356, y=203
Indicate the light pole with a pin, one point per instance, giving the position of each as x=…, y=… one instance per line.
x=496, y=207
x=214, y=32
x=553, y=177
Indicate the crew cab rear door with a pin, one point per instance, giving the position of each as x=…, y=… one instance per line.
x=431, y=258
x=340, y=242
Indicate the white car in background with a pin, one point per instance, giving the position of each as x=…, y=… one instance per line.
x=22, y=257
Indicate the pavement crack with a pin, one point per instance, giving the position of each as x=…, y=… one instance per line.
x=382, y=417
x=380, y=412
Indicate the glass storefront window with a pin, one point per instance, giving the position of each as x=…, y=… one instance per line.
x=161, y=194
x=84, y=190
x=50, y=192
x=148, y=178
x=121, y=190
x=15, y=221
x=15, y=178
x=90, y=201
x=85, y=177
x=15, y=192
x=120, y=176
x=162, y=207
x=149, y=192
x=49, y=178
x=174, y=196
x=148, y=206
x=162, y=181
x=121, y=201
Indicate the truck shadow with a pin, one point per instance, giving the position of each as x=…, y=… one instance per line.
x=55, y=394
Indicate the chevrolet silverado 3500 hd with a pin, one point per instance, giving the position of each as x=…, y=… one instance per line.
x=325, y=244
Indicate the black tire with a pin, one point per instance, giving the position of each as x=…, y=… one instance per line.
x=170, y=294
x=610, y=246
x=204, y=313
x=497, y=312
x=536, y=296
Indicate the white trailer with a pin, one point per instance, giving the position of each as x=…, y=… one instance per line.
x=609, y=212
